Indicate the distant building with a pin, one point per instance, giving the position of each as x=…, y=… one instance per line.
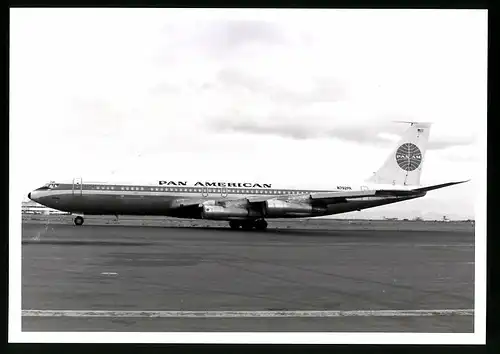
x=31, y=207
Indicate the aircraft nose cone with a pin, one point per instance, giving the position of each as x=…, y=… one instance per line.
x=29, y=195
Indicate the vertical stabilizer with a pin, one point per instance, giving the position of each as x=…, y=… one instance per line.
x=404, y=164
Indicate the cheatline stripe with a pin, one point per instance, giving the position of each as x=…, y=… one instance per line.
x=236, y=314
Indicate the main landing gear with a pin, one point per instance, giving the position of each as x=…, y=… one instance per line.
x=259, y=224
x=78, y=221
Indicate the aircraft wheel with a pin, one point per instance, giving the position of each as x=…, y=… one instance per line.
x=261, y=224
x=234, y=225
x=247, y=225
x=78, y=221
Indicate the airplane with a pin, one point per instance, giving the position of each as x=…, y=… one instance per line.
x=248, y=205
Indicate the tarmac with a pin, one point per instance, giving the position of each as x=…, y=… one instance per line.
x=358, y=276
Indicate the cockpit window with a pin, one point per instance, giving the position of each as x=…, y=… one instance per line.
x=49, y=185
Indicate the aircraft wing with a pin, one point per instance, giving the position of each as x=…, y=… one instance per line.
x=342, y=196
x=332, y=197
x=326, y=197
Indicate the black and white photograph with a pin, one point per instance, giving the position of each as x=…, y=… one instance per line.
x=247, y=175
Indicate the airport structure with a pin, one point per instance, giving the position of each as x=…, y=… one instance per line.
x=248, y=204
x=31, y=207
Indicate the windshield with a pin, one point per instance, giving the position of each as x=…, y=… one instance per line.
x=48, y=185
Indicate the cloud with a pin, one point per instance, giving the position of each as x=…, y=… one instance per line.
x=230, y=35
x=217, y=39
x=363, y=133
x=450, y=142
x=282, y=130
x=316, y=89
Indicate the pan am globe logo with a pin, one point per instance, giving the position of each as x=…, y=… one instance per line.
x=408, y=156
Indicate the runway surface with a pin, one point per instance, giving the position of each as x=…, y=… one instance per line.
x=341, y=271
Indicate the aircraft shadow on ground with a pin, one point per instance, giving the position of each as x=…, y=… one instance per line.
x=279, y=232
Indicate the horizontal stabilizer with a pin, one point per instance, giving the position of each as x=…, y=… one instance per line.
x=438, y=186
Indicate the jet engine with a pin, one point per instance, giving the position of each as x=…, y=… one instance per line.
x=281, y=208
x=219, y=212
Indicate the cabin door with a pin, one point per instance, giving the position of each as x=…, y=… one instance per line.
x=77, y=186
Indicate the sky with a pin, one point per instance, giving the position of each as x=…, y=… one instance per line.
x=289, y=97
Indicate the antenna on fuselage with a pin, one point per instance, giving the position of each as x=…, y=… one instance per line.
x=410, y=122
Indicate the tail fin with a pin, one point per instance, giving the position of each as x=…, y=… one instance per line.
x=404, y=164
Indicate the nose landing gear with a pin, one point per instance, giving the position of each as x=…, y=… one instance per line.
x=78, y=221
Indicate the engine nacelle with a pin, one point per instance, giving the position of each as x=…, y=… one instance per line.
x=215, y=212
x=281, y=208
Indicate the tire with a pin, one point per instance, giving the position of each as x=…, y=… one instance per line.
x=260, y=224
x=247, y=225
x=234, y=225
x=78, y=221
